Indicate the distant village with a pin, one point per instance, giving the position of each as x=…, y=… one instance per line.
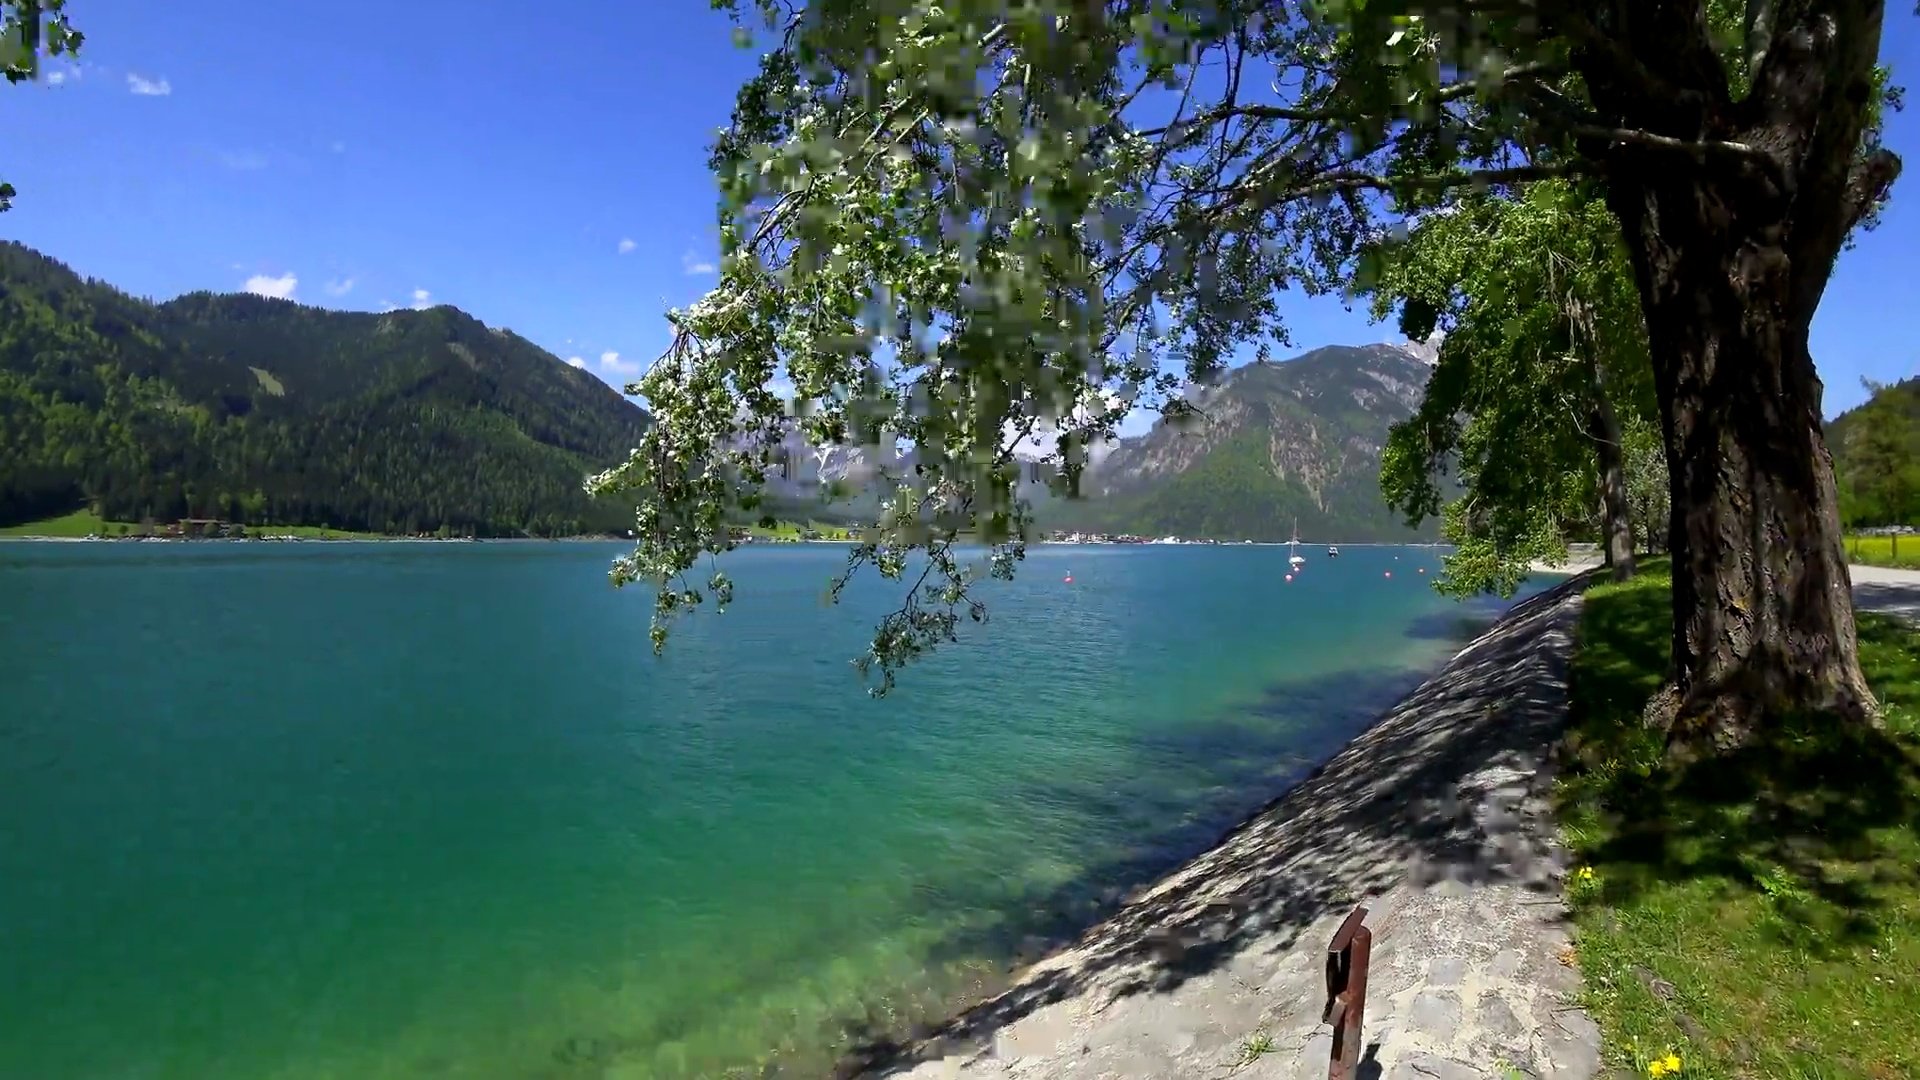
x=1056, y=536
x=1059, y=537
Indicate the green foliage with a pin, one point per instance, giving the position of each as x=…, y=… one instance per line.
x=1759, y=911
x=1543, y=332
x=957, y=224
x=404, y=422
x=1876, y=457
x=1649, y=496
x=1256, y=1046
x=29, y=29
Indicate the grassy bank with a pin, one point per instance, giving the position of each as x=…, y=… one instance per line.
x=80, y=523
x=793, y=530
x=1754, y=917
x=85, y=523
x=1900, y=551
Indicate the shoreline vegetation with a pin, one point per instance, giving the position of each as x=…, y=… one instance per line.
x=83, y=525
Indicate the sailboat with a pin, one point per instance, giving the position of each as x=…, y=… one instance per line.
x=1294, y=558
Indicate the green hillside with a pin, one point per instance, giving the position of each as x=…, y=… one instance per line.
x=1275, y=444
x=267, y=411
x=1876, y=457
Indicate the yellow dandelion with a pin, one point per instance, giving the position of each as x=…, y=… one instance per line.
x=1672, y=1062
x=1585, y=873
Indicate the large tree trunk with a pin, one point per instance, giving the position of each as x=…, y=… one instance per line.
x=1762, y=599
x=1733, y=225
x=1616, y=511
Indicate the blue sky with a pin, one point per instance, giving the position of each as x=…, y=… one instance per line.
x=541, y=168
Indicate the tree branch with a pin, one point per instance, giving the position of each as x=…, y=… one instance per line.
x=1759, y=27
x=1338, y=181
x=1695, y=148
x=1868, y=183
x=1450, y=92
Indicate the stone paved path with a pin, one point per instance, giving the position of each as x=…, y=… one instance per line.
x=1435, y=819
x=1886, y=589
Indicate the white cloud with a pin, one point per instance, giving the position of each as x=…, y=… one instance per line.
x=280, y=288
x=627, y=246
x=388, y=305
x=610, y=361
x=574, y=361
x=339, y=288
x=337, y=147
x=243, y=160
x=694, y=265
x=55, y=78
x=145, y=87
x=422, y=299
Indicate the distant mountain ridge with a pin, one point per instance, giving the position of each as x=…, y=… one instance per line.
x=259, y=410
x=1275, y=442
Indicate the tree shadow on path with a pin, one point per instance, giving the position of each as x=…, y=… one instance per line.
x=1408, y=798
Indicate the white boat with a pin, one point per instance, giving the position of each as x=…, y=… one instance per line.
x=1294, y=558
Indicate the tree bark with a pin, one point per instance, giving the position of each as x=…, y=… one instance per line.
x=1762, y=598
x=1732, y=249
x=1616, y=512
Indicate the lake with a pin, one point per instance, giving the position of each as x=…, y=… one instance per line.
x=400, y=810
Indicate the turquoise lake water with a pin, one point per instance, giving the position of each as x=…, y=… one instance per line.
x=359, y=810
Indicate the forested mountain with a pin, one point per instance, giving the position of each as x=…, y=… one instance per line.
x=1876, y=457
x=267, y=411
x=1276, y=442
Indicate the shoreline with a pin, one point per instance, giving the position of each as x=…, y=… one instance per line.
x=1573, y=567
x=1048, y=1018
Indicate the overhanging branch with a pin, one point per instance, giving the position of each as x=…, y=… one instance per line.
x=1868, y=183
x=1699, y=149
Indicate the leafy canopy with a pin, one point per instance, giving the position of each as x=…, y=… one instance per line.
x=27, y=29
x=1543, y=335
x=955, y=225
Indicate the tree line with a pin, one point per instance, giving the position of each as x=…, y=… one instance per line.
x=261, y=411
x=1876, y=457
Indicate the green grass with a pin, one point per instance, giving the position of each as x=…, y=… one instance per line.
x=311, y=532
x=791, y=530
x=77, y=524
x=1902, y=551
x=1256, y=1046
x=83, y=523
x=1759, y=913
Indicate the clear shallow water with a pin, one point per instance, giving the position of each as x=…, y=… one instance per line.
x=434, y=810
